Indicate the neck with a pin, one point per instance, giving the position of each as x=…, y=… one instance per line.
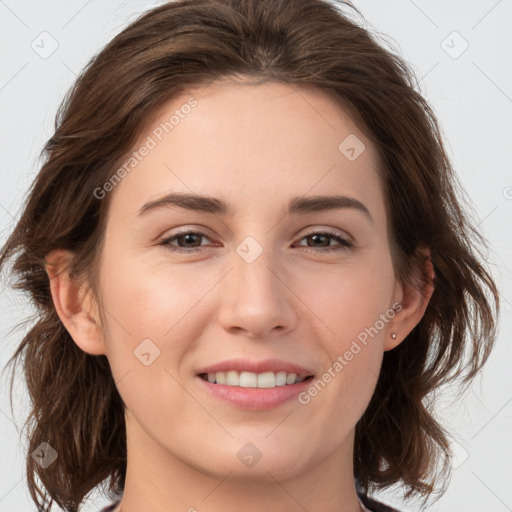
x=159, y=481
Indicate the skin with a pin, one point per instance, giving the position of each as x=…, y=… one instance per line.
x=255, y=146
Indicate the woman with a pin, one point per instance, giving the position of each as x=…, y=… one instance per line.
x=257, y=370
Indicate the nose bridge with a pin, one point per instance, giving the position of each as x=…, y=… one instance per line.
x=255, y=298
x=253, y=272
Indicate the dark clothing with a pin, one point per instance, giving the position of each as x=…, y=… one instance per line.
x=369, y=503
x=110, y=507
x=375, y=506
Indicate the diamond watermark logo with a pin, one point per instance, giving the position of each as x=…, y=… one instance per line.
x=249, y=250
x=146, y=352
x=45, y=45
x=454, y=45
x=352, y=147
x=44, y=455
x=249, y=455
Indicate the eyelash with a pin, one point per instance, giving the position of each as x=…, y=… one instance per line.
x=345, y=244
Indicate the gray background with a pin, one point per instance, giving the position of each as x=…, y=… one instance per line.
x=470, y=90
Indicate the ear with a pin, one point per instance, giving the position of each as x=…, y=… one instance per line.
x=413, y=300
x=75, y=308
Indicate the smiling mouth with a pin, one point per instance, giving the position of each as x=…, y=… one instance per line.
x=246, y=379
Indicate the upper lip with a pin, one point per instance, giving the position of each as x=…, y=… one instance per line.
x=265, y=365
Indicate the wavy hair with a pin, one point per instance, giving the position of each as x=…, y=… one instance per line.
x=75, y=405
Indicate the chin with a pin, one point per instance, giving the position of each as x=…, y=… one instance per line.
x=246, y=461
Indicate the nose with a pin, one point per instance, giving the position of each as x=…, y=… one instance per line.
x=256, y=298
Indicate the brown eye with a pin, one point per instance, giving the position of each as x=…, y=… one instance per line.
x=321, y=237
x=188, y=242
x=189, y=237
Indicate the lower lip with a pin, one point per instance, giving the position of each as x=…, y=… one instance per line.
x=255, y=399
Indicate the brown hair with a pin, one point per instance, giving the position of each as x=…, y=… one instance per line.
x=309, y=43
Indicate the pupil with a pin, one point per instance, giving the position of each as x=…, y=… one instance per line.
x=188, y=236
x=316, y=236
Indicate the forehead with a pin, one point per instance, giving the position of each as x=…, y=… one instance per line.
x=245, y=143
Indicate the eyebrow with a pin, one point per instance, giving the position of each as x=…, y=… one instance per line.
x=297, y=205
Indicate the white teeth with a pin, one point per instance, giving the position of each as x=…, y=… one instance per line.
x=267, y=380
x=248, y=380
x=280, y=378
x=232, y=378
x=254, y=380
x=290, y=378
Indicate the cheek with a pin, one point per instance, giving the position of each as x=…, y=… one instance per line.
x=349, y=298
x=351, y=307
x=150, y=299
x=154, y=309
x=352, y=304
x=148, y=313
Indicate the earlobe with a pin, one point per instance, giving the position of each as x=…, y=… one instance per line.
x=74, y=307
x=414, y=300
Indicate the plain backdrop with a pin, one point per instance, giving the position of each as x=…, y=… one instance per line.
x=461, y=52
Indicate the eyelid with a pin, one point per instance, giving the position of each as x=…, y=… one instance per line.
x=345, y=241
x=334, y=231
x=315, y=228
x=183, y=230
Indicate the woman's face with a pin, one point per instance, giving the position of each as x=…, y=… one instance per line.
x=256, y=284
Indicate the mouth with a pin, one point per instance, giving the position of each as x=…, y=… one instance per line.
x=246, y=379
x=253, y=391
